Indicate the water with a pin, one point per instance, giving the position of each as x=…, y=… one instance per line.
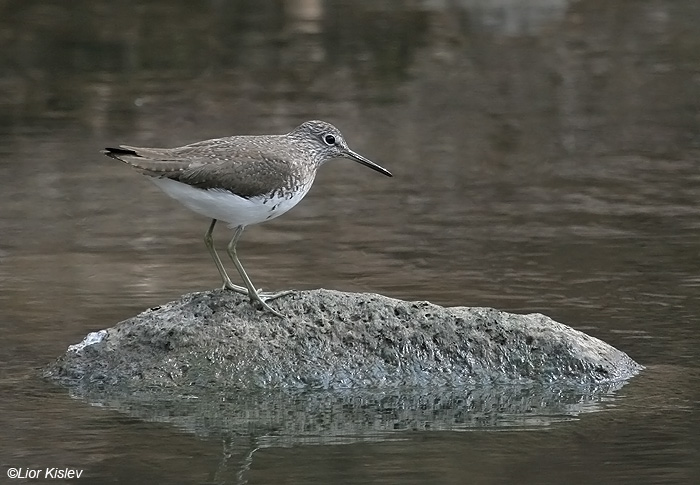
x=545, y=158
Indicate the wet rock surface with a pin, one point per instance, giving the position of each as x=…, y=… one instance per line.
x=332, y=340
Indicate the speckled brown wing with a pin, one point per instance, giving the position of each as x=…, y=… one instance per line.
x=243, y=177
x=248, y=174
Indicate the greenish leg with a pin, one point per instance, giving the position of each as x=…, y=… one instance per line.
x=209, y=241
x=252, y=292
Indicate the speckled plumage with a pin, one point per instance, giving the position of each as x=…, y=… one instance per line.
x=242, y=180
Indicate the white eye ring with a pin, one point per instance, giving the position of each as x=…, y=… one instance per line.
x=329, y=139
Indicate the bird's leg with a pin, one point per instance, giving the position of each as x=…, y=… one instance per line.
x=252, y=292
x=209, y=241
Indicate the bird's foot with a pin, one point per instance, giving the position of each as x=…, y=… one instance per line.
x=256, y=299
x=228, y=285
x=262, y=298
x=271, y=296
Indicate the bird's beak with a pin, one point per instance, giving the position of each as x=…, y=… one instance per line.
x=367, y=162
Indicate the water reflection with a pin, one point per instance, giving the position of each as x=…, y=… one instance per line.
x=283, y=418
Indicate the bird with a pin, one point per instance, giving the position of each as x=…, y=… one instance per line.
x=242, y=180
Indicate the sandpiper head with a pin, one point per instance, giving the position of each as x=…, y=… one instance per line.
x=328, y=143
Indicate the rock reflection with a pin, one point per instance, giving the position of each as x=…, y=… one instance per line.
x=248, y=422
x=285, y=418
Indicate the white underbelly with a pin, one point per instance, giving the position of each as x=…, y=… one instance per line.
x=226, y=206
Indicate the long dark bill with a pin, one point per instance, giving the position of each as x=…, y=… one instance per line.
x=367, y=162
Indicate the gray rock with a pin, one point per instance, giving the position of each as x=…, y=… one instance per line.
x=333, y=340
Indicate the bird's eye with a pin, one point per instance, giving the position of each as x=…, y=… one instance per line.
x=329, y=139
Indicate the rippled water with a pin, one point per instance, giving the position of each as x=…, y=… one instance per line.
x=545, y=158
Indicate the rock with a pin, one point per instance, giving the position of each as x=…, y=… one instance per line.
x=333, y=340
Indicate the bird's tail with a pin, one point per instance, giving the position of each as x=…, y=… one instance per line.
x=149, y=161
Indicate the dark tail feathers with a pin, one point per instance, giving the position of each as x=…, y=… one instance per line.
x=116, y=152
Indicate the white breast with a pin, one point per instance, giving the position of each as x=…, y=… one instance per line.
x=225, y=206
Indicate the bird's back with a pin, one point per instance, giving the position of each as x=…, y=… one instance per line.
x=248, y=166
